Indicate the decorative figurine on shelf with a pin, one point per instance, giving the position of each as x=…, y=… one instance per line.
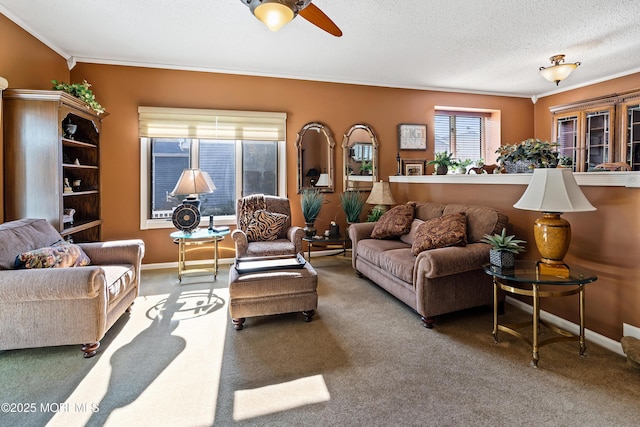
x=67, y=186
x=77, y=162
x=76, y=184
x=70, y=130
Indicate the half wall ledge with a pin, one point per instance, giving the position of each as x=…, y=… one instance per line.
x=596, y=179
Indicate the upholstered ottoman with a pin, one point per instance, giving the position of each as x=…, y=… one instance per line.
x=272, y=292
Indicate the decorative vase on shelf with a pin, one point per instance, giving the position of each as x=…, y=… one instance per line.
x=442, y=169
x=309, y=230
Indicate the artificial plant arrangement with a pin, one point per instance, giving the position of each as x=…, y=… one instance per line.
x=311, y=201
x=352, y=203
x=503, y=248
x=375, y=214
x=442, y=161
x=531, y=153
x=81, y=91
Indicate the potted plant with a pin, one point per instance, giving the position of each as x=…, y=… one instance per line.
x=503, y=248
x=375, y=214
x=366, y=168
x=311, y=201
x=527, y=155
x=352, y=203
x=442, y=162
x=460, y=166
x=80, y=91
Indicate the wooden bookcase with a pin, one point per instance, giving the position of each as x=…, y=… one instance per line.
x=39, y=155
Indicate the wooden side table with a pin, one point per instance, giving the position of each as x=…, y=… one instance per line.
x=197, y=239
x=526, y=274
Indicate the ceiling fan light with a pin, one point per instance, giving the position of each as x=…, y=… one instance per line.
x=273, y=14
x=559, y=70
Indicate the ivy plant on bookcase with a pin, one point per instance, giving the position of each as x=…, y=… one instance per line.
x=52, y=162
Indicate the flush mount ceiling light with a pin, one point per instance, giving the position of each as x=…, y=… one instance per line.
x=276, y=13
x=558, y=70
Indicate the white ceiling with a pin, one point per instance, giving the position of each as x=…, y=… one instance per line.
x=483, y=46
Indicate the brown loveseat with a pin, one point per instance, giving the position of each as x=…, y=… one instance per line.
x=436, y=281
x=59, y=306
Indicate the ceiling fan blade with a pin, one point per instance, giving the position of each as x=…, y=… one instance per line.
x=317, y=17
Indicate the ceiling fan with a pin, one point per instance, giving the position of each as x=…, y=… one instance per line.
x=276, y=13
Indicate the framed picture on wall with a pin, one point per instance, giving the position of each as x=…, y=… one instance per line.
x=412, y=136
x=413, y=167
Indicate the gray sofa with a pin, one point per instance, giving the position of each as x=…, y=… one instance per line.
x=436, y=281
x=59, y=306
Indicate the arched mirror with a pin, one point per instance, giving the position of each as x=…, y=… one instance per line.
x=360, y=158
x=315, y=158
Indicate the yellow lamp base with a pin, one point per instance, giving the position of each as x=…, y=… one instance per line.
x=555, y=270
x=553, y=236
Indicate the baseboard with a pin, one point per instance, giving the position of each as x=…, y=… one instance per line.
x=589, y=335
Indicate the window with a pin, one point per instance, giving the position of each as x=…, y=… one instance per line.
x=243, y=152
x=467, y=134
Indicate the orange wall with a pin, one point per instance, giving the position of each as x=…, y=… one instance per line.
x=122, y=89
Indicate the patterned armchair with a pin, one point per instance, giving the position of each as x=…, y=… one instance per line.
x=264, y=227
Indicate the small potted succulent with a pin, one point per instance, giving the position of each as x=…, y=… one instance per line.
x=503, y=249
x=442, y=162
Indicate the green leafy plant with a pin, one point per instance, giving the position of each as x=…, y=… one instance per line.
x=366, y=167
x=503, y=243
x=541, y=154
x=442, y=159
x=311, y=200
x=81, y=91
x=375, y=214
x=352, y=203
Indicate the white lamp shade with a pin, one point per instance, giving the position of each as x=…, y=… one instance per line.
x=554, y=190
x=193, y=181
x=273, y=14
x=323, y=180
x=381, y=194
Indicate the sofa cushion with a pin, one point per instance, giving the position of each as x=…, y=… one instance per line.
x=372, y=249
x=411, y=235
x=24, y=235
x=265, y=226
x=447, y=230
x=428, y=210
x=399, y=262
x=481, y=220
x=59, y=255
x=394, y=223
x=119, y=279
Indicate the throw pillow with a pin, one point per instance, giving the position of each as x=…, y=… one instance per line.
x=265, y=225
x=447, y=230
x=394, y=223
x=59, y=255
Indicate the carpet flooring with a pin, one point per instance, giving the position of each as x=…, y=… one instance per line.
x=364, y=360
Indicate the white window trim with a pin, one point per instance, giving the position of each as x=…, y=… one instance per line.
x=147, y=223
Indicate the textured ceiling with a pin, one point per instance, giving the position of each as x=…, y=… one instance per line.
x=484, y=46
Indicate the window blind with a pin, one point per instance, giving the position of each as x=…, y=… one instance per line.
x=161, y=122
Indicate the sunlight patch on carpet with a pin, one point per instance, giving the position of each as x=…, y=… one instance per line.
x=279, y=397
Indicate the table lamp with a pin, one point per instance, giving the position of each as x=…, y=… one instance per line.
x=193, y=182
x=553, y=192
x=313, y=175
x=381, y=196
x=323, y=180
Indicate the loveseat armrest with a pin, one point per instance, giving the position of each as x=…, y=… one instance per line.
x=359, y=231
x=241, y=242
x=52, y=284
x=295, y=235
x=451, y=260
x=115, y=252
